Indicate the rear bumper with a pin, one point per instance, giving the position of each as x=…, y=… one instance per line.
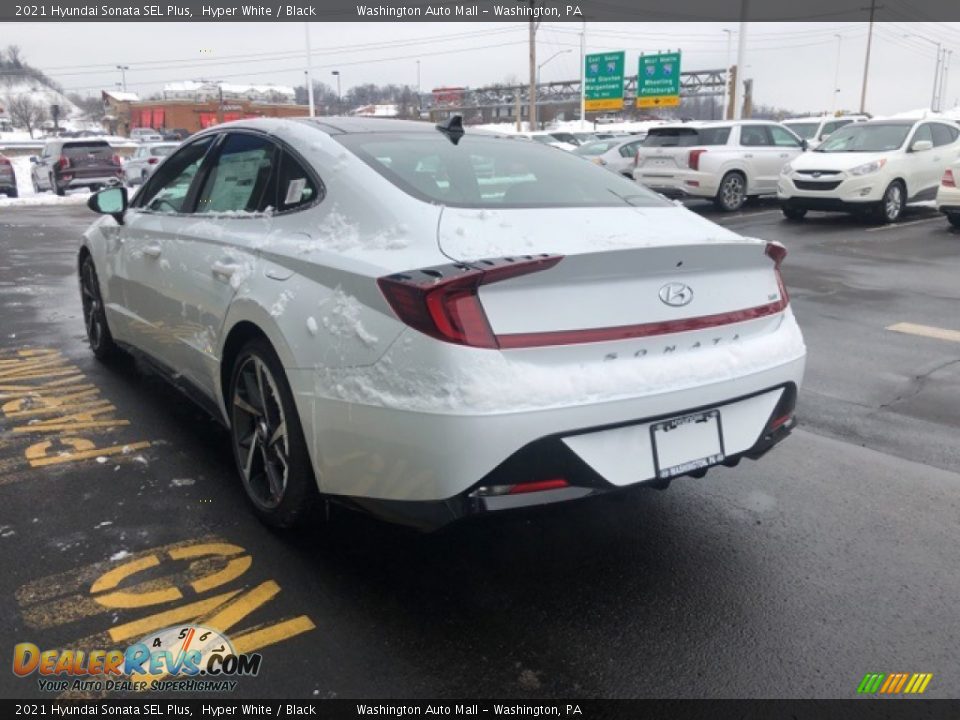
x=678, y=184
x=82, y=179
x=552, y=457
x=378, y=434
x=950, y=209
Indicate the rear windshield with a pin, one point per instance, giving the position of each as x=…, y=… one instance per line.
x=859, y=137
x=86, y=148
x=686, y=136
x=487, y=172
x=162, y=150
x=806, y=130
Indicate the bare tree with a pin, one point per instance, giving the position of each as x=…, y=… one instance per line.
x=14, y=56
x=26, y=112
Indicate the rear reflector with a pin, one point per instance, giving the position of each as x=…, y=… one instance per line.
x=948, y=180
x=442, y=301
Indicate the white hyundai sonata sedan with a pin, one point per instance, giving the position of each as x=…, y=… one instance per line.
x=428, y=323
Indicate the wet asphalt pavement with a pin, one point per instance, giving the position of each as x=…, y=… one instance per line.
x=834, y=556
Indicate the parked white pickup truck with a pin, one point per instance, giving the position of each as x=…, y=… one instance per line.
x=725, y=161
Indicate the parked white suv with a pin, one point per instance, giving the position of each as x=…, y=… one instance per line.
x=875, y=167
x=817, y=129
x=726, y=162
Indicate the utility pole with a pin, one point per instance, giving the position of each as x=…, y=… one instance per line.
x=866, y=62
x=741, y=50
x=306, y=29
x=419, y=101
x=836, y=75
x=533, y=70
x=339, y=95
x=944, y=71
x=726, y=77
x=123, y=75
x=583, y=77
x=935, y=98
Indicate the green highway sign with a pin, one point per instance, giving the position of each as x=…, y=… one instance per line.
x=658, y=80
x=603, y=89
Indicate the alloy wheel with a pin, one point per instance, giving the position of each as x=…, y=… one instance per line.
x=732, y=192
x=260, y=435
x=92, y=306
x=893, y=202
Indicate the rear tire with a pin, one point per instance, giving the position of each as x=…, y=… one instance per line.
x=94, y=316
x=732, y=193
x=267, y=439
x=56, y=188
x=794, y=213
x=952, y=218
x=13, y=193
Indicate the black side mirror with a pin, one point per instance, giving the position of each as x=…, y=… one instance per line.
x=804, y=145
x=111, y=201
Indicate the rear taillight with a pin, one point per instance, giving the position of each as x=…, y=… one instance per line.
x=5, y=161
x=443, y=301
x=152, y=161
x=948, y=180
x=636, y=158
x=116, y=160
x=521, y=488
x=693, y=159
x=63, y=162
x=777, y=252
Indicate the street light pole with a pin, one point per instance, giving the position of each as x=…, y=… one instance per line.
x=306, y=30
x=935, y=97
x=583, y=77
x=836, y=75
x=419, y=101
x=866, y=61
x=123, y=75
x=339, y=96
x=741, y=51
x=559, y=52
x=726, y=76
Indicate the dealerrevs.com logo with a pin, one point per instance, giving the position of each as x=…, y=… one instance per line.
x=190, y=658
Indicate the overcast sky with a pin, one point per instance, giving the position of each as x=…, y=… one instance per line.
x=792, y=64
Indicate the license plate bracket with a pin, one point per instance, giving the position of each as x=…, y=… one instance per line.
x=687, y=443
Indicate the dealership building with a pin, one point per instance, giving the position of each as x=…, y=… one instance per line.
x=195, y=105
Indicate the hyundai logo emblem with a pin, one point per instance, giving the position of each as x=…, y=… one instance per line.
x=816, y=174
x=676, y=294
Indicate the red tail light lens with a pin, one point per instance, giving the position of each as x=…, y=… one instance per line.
x=948, y=180
x=777, y=252
x=152, y=161
x=116, y=160
x=4, y=161
x=64, y=162
x=443, y=301
x=693, y=159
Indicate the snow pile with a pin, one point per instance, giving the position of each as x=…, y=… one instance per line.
x=491, y=381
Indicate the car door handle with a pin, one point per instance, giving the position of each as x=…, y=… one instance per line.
x=784, y=154
x=748, y=155
x=152, y=251
x=224, y=270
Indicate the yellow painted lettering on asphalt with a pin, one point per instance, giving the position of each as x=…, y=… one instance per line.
x=85, y=450
x=126, y=598
x=184, y=613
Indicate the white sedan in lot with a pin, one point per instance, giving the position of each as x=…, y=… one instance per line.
x=948, y=194
x=426, y=323
x=874, y=167
x=144, y=161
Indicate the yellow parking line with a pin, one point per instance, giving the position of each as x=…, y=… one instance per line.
x=927, y=331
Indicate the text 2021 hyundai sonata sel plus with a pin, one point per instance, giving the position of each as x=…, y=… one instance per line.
x=428, y=323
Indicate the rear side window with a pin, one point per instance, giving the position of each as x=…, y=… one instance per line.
x=754, y=136
x=686, y=137
x=166, y=190
x=943, y=134
x=239, y=181
x=630, y=149
x=295, y=187
x=163, y=150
